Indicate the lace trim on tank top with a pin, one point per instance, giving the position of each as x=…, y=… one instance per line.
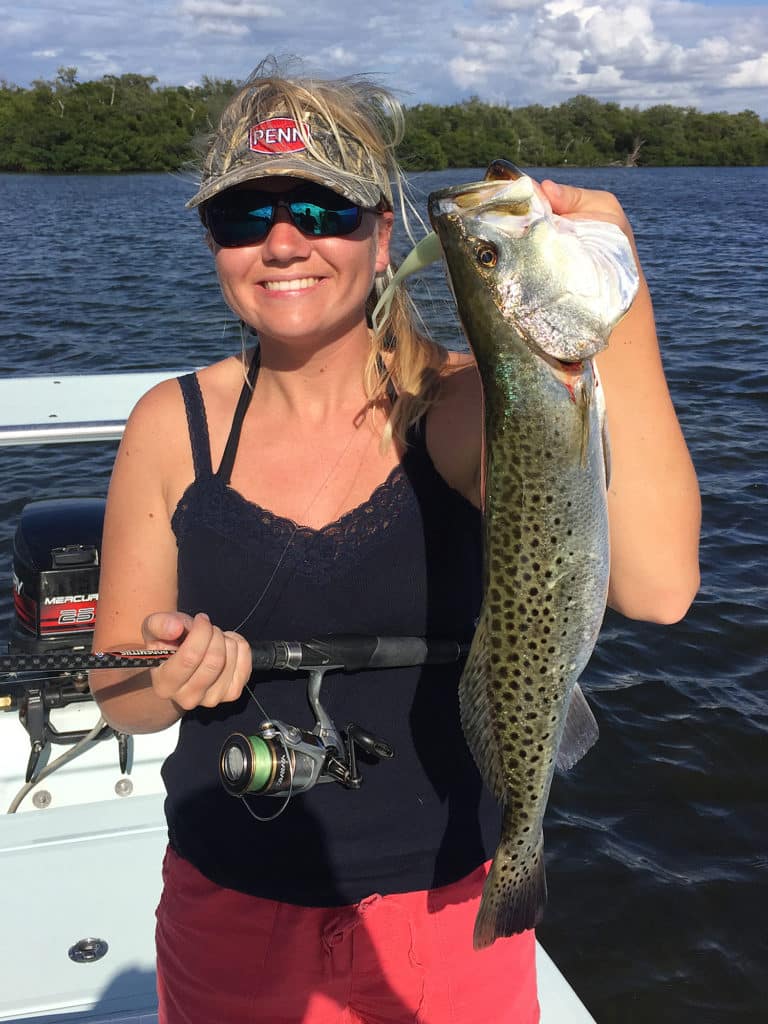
x=210, y=501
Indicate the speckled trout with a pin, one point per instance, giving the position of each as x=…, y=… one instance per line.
x=538, y=296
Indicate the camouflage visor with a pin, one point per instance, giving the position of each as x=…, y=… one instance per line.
x=281, y=146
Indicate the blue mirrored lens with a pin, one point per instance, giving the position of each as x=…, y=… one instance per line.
x=245, y=217
x=317, y=220
x=233, y=225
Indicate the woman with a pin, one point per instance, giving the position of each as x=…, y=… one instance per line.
x=337, y=489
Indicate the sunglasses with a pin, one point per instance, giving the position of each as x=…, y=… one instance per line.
x=245, y=217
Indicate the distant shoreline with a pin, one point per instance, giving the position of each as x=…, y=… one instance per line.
x=420, y=170
x=126, y=124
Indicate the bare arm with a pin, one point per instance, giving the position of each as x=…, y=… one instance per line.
x=653, y=500
x=138, y=583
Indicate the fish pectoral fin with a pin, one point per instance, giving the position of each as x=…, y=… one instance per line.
x=514, y=894
x=586, y=397
x=606, y=455
x=580, y=731
x=602, y=419
x=476, y=713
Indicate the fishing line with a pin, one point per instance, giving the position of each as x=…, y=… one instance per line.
x=251, y=379
x=268, y=584
x=289, y=794
x=295, y=529
x=296, y=523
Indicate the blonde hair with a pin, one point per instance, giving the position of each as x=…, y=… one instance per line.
x=404, y=364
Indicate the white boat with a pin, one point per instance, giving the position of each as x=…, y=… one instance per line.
x=81, y=849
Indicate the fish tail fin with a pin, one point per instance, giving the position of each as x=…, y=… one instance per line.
x=513, y=900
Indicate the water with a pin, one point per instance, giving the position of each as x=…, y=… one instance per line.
x=656, y=841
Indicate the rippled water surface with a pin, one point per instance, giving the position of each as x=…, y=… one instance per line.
x=657, y=841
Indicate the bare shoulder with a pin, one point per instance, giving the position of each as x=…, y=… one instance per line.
x=156, y=417
x=220, y=384
x=157, y=434
x=454, y=426
x=156, y=448
x=152, y=455
x=460, y=371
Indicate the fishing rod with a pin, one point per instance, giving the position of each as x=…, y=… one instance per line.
x=324, y=754
x=342, y=651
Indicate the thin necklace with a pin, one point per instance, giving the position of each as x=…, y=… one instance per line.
x=302, y=517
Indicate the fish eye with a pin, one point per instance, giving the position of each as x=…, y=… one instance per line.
x=486, y=254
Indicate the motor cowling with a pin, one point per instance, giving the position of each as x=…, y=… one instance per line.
x=56, y=557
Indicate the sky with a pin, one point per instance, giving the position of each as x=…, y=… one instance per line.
x=709, y=54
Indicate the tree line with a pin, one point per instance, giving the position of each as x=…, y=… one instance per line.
x=127, y=123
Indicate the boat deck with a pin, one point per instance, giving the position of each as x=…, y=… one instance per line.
x=84, y=863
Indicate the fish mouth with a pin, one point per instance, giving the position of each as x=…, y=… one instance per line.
x=503, y=170
x=504, y=192
x=494, y=199
x=497, y=196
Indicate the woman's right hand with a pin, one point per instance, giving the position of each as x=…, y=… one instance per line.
x=210, y=666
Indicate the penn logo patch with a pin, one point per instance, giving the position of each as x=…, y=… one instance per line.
x=277, y=135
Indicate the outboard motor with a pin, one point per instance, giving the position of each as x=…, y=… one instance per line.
x=56, y=555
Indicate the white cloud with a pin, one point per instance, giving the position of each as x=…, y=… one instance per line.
x=339, y=56
x=706, y=53
x=750, y=74
x=562, y=8
x=514, y=5
x=626, y=32
x=227, y=9
x=465, y=72
x=631, y=51
x=232, y=29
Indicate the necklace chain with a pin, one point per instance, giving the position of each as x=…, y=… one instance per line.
x=302, y=517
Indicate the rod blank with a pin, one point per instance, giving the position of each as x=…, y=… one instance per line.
x=346, y=652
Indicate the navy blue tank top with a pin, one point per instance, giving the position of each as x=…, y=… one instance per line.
x=406, y=562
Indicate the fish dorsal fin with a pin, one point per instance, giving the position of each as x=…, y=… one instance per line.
x=580, y=731
x=421, y=255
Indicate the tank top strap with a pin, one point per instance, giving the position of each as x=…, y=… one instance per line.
x=228, y=458
x=197, y=424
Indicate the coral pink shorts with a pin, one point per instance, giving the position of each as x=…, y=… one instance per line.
x=228, y=958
